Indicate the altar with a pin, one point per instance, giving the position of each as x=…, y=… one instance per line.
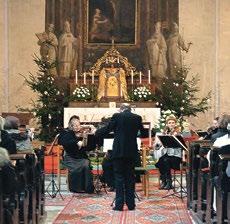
x=115, y=80
x=95, y=114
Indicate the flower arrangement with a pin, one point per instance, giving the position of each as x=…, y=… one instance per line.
x=81, y=93
x=141, y=93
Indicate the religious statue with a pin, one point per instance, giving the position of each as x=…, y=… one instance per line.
x=67, y=55
x=112, y=83
x=157, y=48
x=175, y=45
x=48, y=47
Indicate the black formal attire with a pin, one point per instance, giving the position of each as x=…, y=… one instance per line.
x=77, y=162
x=220, y=132
x=125, y=126
x=7, y=142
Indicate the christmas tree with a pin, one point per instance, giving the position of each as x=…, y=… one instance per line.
x=180, y=95
x=51, y=100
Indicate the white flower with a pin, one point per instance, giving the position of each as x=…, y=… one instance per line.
x=181, y=108
x=46, y=93
x=157, y=103
x=168, y=112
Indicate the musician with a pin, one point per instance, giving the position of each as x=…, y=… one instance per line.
x=75, y=157
x=170, y=157
x=125, y=126
x=212, y=130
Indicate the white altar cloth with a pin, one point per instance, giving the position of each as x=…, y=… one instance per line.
x=94, y=114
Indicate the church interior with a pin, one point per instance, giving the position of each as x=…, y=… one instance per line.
x=82, y=80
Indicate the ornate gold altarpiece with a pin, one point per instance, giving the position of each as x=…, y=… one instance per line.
x=113, y=76
x=110, y=64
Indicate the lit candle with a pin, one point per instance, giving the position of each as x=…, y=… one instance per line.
x=140, y=78
x=132, y=77
x=149, y=77
x=84, y=78
x=118, y=61
x=92, y=76
x=76, y=78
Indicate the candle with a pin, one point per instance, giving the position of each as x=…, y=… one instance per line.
x=149, y=77
x=118, y=61
x=93, y=77
x=132, y=77
x=140, y=78
x=84, y=78
x=76, y=78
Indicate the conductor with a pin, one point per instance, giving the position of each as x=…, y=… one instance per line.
x=125, y=126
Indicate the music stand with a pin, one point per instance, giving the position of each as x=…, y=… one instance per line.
x=171, y=141
x=54, y=188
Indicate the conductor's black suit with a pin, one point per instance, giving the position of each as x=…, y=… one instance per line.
x=125, y=126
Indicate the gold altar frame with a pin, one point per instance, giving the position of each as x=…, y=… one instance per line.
x=86, y=29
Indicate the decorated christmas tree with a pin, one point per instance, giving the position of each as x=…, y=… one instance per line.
x=51, y=100
x=179, y=94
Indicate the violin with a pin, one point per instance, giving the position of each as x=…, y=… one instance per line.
x=172, y=131
x=83, y=133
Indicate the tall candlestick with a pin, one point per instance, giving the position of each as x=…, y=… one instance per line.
x=93, y=77
x=149, y=77
x=76, y=78
x=140, y=78
x=84, y=78
x=132, y=77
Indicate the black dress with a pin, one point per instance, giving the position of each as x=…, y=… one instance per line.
x=77, y=162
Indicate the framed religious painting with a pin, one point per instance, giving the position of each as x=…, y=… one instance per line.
x=110, y=21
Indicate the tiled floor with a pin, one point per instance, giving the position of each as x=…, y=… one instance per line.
x=53, y=210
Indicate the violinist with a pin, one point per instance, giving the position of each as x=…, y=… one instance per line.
x=212, y=130
x=75, y=157
x=170, y=158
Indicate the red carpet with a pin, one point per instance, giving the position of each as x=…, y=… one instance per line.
x=96, y=209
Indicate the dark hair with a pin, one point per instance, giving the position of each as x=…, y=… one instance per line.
x=224, y=120
x=74, y=117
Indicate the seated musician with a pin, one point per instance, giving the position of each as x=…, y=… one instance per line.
x=169, y=158
x=75, y=157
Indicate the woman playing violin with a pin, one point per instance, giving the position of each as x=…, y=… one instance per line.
x=170, y=157
x=75, y=157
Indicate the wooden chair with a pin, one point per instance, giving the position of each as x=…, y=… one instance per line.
x=143, y=170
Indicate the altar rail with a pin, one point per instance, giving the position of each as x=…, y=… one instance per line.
x=24, y=202
x=204, y=181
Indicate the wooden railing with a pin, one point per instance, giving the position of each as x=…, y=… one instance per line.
x=208, y=185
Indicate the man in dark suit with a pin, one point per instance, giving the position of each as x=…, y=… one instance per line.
x=125, y=126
